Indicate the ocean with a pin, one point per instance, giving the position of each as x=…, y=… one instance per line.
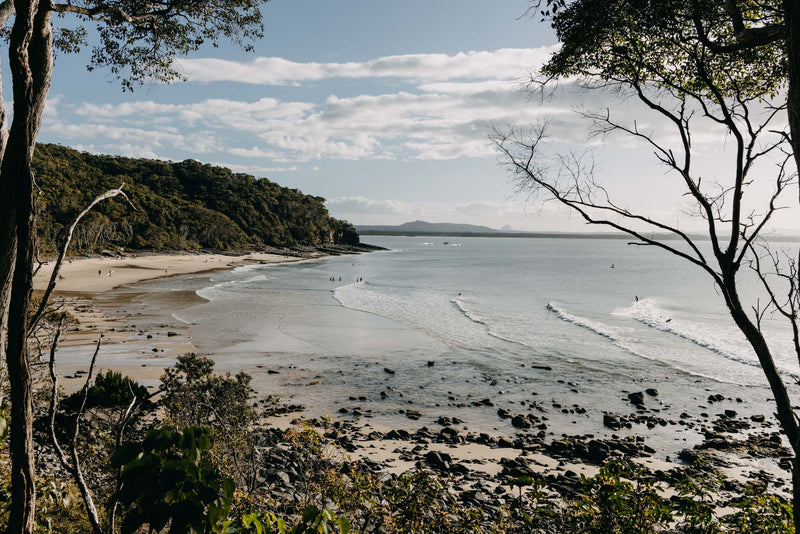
x=461, y=327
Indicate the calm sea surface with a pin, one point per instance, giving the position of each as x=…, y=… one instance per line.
x=522, y=322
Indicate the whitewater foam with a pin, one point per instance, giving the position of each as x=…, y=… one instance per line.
x=594, y=326
x=466, y=313
x=218, y=291
x=726, y=342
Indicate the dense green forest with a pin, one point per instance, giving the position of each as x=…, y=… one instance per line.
x=184, y=205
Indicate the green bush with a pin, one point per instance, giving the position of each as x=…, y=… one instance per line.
x=167, y=480
x=110, y=390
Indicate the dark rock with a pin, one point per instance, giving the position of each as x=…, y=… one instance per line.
x=611, y=421
x=520, y=422
x=439, y=460
x=597, y=451
x=636, y=398
x=397, y=434
x=388, y=371
x=505, y=443
x=652, y=392
x=449, y=434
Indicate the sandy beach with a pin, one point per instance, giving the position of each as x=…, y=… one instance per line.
x=101, y=274
x=143, y=335
x=90, y=288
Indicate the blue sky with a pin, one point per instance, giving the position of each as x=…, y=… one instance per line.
x=383, y=108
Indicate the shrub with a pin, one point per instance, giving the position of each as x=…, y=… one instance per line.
x=167, y=479
x=110, y=390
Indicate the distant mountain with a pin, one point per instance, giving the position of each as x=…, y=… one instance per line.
x=422, y=227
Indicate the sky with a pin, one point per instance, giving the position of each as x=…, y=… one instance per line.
x=383, y=108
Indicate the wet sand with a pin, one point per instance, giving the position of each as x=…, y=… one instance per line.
x=141, y=337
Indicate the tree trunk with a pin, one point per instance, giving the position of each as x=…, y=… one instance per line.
x=785, y=413
x=30, y=61
x=796, y=491
x=791, y=18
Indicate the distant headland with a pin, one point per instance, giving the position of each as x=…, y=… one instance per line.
x=423, y=228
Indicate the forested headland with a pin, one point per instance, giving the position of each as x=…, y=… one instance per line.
x=178, y=205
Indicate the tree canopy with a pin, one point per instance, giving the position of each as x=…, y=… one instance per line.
x=659, y=42
x=184, y=205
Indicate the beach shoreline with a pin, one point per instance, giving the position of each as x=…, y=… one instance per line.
x=140, y=341
x=98, y=274
x=99, y=292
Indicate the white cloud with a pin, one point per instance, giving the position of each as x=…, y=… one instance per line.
x=397, y=125
x=369, y=206
x=448, y=115
x=471, y=88
x=506, y=63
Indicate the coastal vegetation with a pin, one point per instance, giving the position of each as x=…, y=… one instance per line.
x=199, y=455
x=180, y=206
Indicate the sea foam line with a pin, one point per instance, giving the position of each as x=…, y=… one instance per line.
x=466, y=313
x=475, y=318
x=610, y=334
x=593, y=326
x=651, y=316
x=210, y=292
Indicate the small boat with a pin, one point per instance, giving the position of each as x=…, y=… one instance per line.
x=428, y=243
x=446, y=243
x=455, y=244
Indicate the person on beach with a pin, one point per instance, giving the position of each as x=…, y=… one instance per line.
x=99, y=272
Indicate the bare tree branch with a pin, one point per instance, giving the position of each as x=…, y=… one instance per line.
x=74, y=469
x=65, y=247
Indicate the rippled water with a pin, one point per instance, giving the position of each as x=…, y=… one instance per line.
x=565, y=321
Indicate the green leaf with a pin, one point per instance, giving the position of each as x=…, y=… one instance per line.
x=309, y=513
x=125, y=454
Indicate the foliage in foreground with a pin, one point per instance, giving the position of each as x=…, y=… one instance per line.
x=178, y=472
